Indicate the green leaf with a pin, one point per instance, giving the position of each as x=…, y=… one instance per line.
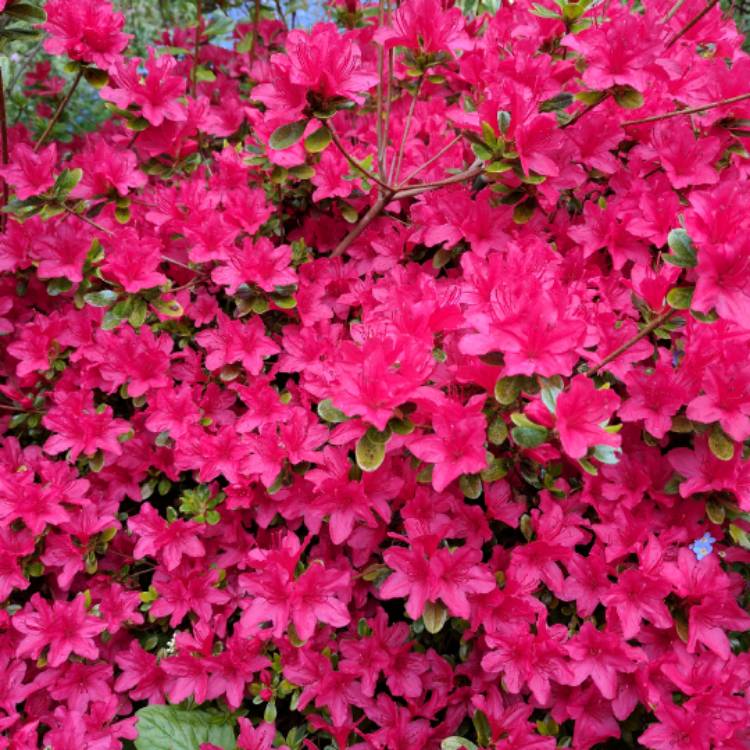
x=329, y=413
x=606, y=454
x=556, y=102
x=369, y=453
x=457, y=743
x=434, y=617
x=529, y=437
x=170, y=308
x=58, y=286
x=721, y=444
x=318, y=141
x=104, y=298
x=66, y=181
x=138, y=314
x=683, y=253
x=482, y=728
x=26, y=12
x=287, y=135
x=96, y=78
x=680, y=297
x=524, y=211
x=507, y=390
x=628, y=98
x=173, y=728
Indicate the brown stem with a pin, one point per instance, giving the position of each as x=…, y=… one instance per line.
x=175, y=262
x=363, y=223
x=475, y=169
x=581, y=112
x=383, y=154
x=655, y=323
x=431, y=160
x=5, y=155
x=256, y=23
x=88, y=221
x=340, y=146
x=58, y=112
x=379, y=98
x=280, y=11
x=689, y=25
x=396, y=167
x=688, y=111
x=197, y=49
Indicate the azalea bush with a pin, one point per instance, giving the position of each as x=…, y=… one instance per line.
x=383, y=384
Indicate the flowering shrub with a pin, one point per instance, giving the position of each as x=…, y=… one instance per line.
x=379, y=385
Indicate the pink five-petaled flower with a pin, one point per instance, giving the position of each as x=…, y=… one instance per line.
x=423, y=26
x=132, y=261
x=261, y=263
x=62, y=252
x=581, y=412
x=77, y=425
x=456, y=446
x=617, y=53
x=318, y=595
x=327, y=64
x=85, y=30
x=157, y=95
x=601, y=655
x=236, y=341
x=28, y=172
x=65, y=627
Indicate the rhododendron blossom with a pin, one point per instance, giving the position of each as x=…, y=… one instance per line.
x=378, y=383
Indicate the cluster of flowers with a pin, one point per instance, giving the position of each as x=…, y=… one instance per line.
x=381, y=385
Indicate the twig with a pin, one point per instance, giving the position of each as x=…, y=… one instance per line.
x=5, y=155
x=396, y=166
x=88, y=221
x=581, y=112
x=256, y=23
x=197, y=49
x=431, y=160
x=379, y=99
x=688, y=111
x=363, y=223
x=475, y=169
x=280, y=11
x=340, y=146
x=58, y=112
x=689, y=25
x=655, y=323
x=176, y=262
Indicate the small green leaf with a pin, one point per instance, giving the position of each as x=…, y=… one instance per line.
x=318, y=141
x=524, y=211
x=471, y=485
x=606, y=454
x=434, y=617
x=557, y=102
x=369, y=454
x=66, y=181
x=104, y=298
x=628, y=98
x=170, y=308
x=542, y=12
x=329, y=413
x=683, y=253
x=138, y=313
x=680, y=297
x=721, y=444
x=26, y=12
x=287, y=135
x=528, y=437
x=507, y=390
x=457, y=743
x=58, y=286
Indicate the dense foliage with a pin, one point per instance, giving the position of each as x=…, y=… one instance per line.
x=378, y=385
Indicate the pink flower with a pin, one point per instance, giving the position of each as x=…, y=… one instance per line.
x=62, y=252
x=30, y=173
x=456, y=446
x=157, y=95
x=64, y=627
x=132, y=261
x=260, y=263
x=86, y=30
x=581, y=412
x=617, y=53
x=423, y=26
